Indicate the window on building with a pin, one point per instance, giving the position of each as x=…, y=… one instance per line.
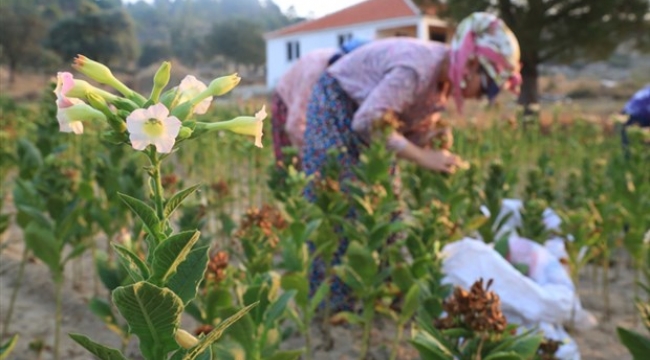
x=293, y=50
x=344, y=37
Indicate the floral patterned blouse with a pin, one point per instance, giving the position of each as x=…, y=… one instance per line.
x=394, y=74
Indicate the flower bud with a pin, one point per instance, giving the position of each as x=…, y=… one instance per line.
x=125, y=104
x=82, y=88
x=102, y=74
x=223, y=85
x=218, y=87
x=185, y=339
x=244, y=125
x=160, y=80
x=184, y=133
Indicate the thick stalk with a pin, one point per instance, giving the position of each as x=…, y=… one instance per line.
x=307, y=330
x=158, y=193
x=14, y=294
x=368, y=315
x=327, y=328
x=58, y=314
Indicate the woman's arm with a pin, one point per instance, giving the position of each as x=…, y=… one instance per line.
x=436, y=160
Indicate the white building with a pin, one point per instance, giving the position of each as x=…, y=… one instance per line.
x=371, y=19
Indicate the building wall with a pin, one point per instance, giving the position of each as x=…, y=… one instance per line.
x=276, y=49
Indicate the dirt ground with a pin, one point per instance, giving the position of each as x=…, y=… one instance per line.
x=33, y=313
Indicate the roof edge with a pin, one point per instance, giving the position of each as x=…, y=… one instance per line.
x=412, y=17
x=416, y=12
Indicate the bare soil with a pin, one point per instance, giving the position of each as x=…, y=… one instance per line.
x=33, y=316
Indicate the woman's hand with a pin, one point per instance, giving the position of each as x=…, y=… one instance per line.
x=440, y=160
x=436, y=160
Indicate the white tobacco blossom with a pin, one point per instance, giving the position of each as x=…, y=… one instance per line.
x=153, y=126
x=189, y=88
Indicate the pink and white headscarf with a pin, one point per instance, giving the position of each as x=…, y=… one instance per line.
x=487, y=38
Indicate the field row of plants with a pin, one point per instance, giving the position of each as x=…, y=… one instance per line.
x=220, y=232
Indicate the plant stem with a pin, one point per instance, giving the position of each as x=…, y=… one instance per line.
x=58, y=314
x=398, y=339
x=307, y=324
x=157, y=184
x=368, y=315
x=14, y=294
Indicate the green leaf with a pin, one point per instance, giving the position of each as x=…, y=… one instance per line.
x=319, y=295
x=180, y=354
x=175, y=201
x=511, y=355
x=299, y=283
x=401, y=276
x=185, y=281
x=101, y=351
x=45, y=246
x=350, y=317
x=8, y=347
x=286, y=355
x=29, y=158
x=411, y=303
x=170, y=254
x=153, y=314
x=108, y=272
x=103, y=310
x=636, y=344
x=350, y=277
x=216, y=333
x=144, y=212
x=134, y=265
x=277, y=308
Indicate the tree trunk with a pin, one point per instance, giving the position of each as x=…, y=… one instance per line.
x=529, y=88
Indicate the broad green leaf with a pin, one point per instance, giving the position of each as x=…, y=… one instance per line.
x=411, y=303
x=428, y=348
x=286, y=355
x=185, y=281
x=153, y=314
x=8, y=347
x=45, y=246
x=101, y=351
x=216, y=333
x=276, y=309
x=350, y=277
x=636, y=344
x=298, y=282
x=170, y=254
x=243, y=331
x=132, y=263
x=144, y=212
x=319, y=295
x=29, y=158
x=175, y=201
x=180, y=354
x=401, y=276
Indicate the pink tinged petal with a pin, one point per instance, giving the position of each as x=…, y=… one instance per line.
x=172, y=125
x=191, y=87
x=139, y=141
x=158, y=111
x=164, y=144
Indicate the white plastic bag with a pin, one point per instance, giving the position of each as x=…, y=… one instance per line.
x=545, y=299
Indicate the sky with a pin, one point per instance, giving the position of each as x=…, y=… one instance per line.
x=307, y=8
